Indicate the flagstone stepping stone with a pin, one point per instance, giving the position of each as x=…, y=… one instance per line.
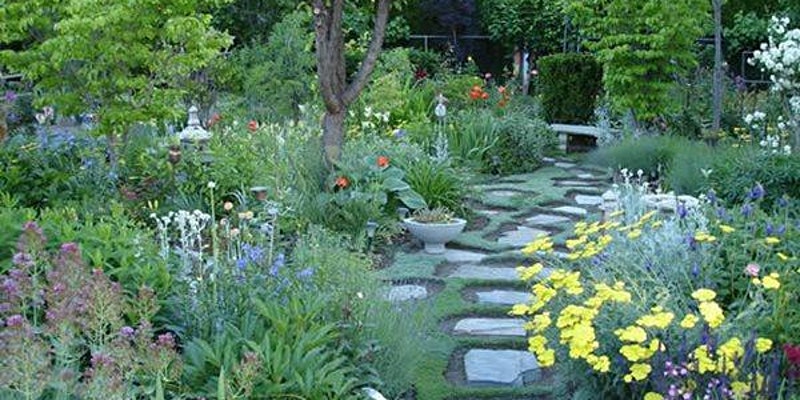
x=504, y=193
x=546, y=219
x=586, y=176
x=609, y=195
x=520, y=237
x=490, y=327
x=463, y=256
x=565, y=165
x=571, y=210
x=406, y=292
x=485, y=273
x=488, y=212
x=548, y=160
x=576, y=183
x=504, y=297
x=499, y=367
x=586, y=200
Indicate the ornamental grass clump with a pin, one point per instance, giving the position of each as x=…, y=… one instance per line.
x=71, y=331
x=649, y=306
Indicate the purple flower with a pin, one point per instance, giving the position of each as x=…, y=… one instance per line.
x=22, y=259
x=781, y=230
x=768, y=230
x=254, y=253
x=280, y=261
x=241, y=263
x=712, y=196
x=166, y=340
x=757, y=192
x=70, y=247
x=101, y=360
x=10, y=96
x=681, y=210
x=747, y=210
x=305, y=273
x=741, y=83
x=127, y=332
x=15, y=321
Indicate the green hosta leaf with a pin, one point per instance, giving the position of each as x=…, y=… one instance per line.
x=411, y=199
x=395, y=185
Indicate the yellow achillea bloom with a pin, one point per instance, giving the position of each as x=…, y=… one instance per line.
x=634, y=234
x=782, y=257
x=689, y=321
x=638, y=372
x=726, y=228
x=543, y=243
x=537, y=344
x=599, y=364
x=635, y=352
x=763, y=345
x=740, y=389
x=541, y=321
x=653, y=396
x=712, y=313
x=704, y=361
x=702, y=237
x=658, y=318
x=656, y=224
x=771, y=240
x=632, y=333
x=528, y=273
x=771, y=281
x=519, y=309
x=546, y=358
x=704, y=295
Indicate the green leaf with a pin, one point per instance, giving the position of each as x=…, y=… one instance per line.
x=395, y=185
x=411, y=199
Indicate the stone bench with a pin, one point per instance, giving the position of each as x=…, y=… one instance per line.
x=565, y=131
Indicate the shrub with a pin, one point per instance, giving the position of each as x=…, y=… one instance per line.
x=69, y=331
x=569, y=86
x=437, y=183
x=736, y=169
x=523, y=142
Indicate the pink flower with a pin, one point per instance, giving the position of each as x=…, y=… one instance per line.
x=752, y=269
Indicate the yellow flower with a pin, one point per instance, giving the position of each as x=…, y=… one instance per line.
x=740, y=389
x=634, y=233
x=639, y=372
x=520, y=309
x=771, y=281
x=689, y=321
x=712, y=313
x=546, y=358
x=541, y=321
x=543, y=243
x=632, y=333
x=726, y=228
x=763, y=345
x=783, y=257
x=731, y=350
x=704, y=237
x=616, y=213
x=657, y=319
x=653, y=396
x=573, y=243
x=704, y=295
x=656, y=224
x=635, y=352
x=704, y=362
x=599, y=364
x=771, y=240
x=531, y=272
x=536, y=344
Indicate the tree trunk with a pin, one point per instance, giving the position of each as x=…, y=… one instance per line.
x=333, y=135
x=717, y=84
x=337, y=93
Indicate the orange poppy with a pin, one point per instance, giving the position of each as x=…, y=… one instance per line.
x=383, y=161
x=342, y=182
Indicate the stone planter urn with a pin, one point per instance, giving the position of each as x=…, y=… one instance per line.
x=435, y=235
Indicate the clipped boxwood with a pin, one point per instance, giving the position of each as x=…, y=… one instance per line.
x=569, y=84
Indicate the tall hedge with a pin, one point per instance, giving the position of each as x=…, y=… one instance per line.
x=569, y=85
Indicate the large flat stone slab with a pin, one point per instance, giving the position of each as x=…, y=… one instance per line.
x=503, y=193
x=463, y=256
x=565, y=165
x=485, y=273
x=577, y=183
x=406, y=292
x=547, y=219
x=503, y=297
x=499, y=367
x=577, y=211
x=586, y=200
x=520, y=237
x=490, y=327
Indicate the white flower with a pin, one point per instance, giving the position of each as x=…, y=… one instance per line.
x=212, y=185
x=787, y=150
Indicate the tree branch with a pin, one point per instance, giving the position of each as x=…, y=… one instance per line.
x=364, y=71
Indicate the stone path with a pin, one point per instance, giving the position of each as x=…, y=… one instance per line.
x=493, y=284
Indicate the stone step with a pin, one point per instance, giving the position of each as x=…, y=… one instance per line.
x=547, y=219
x=485, y=273
x=490, y=327
x=571, y=210
x=520, y=237
x=513, y=368
x=401, y=293
x=463, y=256
x=502, y=297
x=587, y=200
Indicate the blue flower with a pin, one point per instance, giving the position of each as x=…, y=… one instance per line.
x=747, y=210
x=783, y=202
x=305, y=273
x=768, y=230
x=241, y=263
x=254, y=254
x=712, y=196
x=695, y=270
x=681, y=210
x=280, y=261
x=757, y=192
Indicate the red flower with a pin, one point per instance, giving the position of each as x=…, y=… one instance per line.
x=252, y=125
x=501, y=89
x=383, y=161
x=342, y=182
x=215, y=118
x=793, y=356
x=484, y=95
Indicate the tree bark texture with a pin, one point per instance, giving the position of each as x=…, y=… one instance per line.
x=717, y=81
x=337, y=92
